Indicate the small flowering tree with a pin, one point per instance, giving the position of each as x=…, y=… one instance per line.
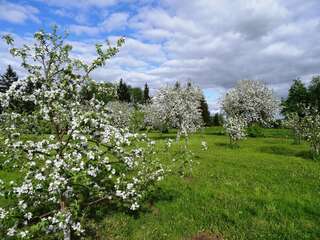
x=248, y=103
x=85, y=162
x=235, y=127
x=294, y=122
x=311, y=130
x=251, y=100
x=306, y=126
x=176, y=106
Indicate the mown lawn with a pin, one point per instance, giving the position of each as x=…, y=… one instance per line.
x=267, y=188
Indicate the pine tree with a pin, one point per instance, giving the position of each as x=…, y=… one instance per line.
x=7, y=79
x=123, y=92
x=314, y=92
x=297, y=97
x=146, y=97
x=136, y=95
x=177, y=85
x=204, y=111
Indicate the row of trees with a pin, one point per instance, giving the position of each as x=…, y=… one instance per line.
x=126, y=93
x=107, y=92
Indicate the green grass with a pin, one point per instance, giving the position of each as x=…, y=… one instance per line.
x=267, y=188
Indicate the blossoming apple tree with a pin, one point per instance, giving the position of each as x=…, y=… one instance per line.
x=86, y=161
x=235, y=127
x=178, y=107
x=307, y=126
x=251, y=101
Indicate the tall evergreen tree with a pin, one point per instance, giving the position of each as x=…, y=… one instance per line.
x=297, y=97
x=177, y=85
x=146, y=97
x=136, y=95
x=205, y=111
x=217, y=119
x=7, y=79
x=123, y=92
x=314, y=92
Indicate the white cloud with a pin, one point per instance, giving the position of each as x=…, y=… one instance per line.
x=81, y=29
x=18, y=14
x=214, y=43
x=282, y=49
x=116, y=21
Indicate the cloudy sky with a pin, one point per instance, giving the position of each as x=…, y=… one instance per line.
x=214, y=43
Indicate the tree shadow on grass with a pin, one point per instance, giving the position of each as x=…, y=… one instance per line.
x=164, y=137
x=217, y=133
x=158, y=194
x=228, y=145
x=286, y=152
x=98, y=213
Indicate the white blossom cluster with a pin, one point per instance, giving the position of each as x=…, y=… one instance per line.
x=235, y=127
x=311, y=130
x=176, y=106
x=120, y=113
x=251, y=100
x=86, y=161
x=294, y=122
x=308, y=127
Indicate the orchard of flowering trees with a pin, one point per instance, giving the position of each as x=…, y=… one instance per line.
x=79, y=144
x=93, y=153
x=90, y=158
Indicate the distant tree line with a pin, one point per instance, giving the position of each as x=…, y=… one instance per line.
x=121, y=92
x=301, y=96
x=126, y=93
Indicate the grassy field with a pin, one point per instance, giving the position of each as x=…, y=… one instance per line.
x=266, y=189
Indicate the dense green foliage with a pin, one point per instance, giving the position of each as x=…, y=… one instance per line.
x=123, y=92
x=216, y=119
x=146, y=96
x=205, y=111
x=300, y=95
x=297, y=96
x=314, y=91
x=7, y=79
x=266, y=189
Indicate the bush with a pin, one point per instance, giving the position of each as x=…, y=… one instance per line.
x=255, y=131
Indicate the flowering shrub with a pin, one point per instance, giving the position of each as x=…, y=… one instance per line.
x=235, y=127
x=86, y=160
x=311, y=130
x=175, y=106
x=306, y=126
x=294, y=122
x=252, y=101
x=120, y=113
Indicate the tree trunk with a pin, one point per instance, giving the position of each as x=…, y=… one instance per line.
x=67, y=233
x=66, y=230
